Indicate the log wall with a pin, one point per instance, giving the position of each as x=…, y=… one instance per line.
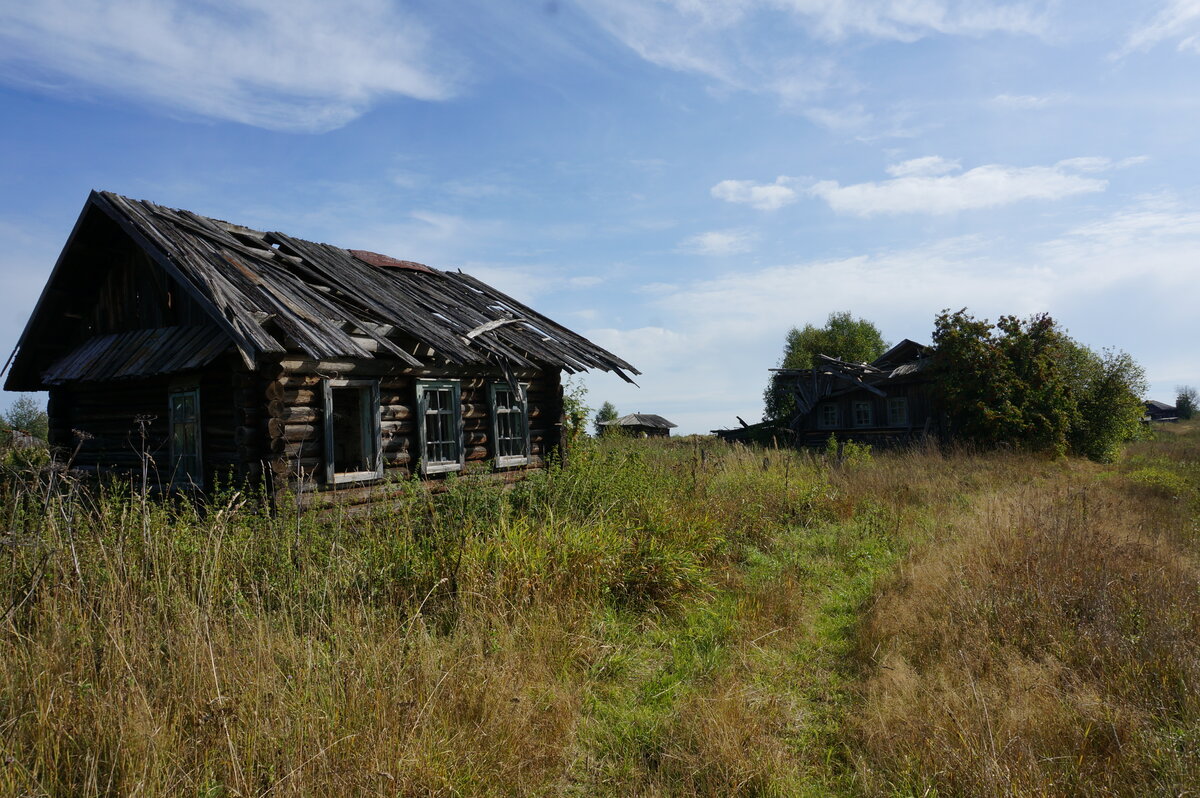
x=295, y=432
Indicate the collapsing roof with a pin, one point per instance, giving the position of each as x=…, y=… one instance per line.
x=270, y=294
x=831, y=376
x=640, y=420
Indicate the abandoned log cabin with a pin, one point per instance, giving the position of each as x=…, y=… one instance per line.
x=223, y=352
x=641, y=425
x=884, y=402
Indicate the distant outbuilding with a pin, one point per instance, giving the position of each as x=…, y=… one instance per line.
x=642, y=425
x=1160, y=411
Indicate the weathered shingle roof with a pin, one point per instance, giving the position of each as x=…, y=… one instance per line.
x=270, y=293
x=640, y=420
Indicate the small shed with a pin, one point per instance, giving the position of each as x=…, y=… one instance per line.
x=642, y=425
x=216, y=352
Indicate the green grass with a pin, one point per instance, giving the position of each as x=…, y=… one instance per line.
x=654, y=618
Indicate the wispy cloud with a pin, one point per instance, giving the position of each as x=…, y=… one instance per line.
x=302, y=65
x=1020, y=101
x=1178, y=20
x=925, y=185
x=709, y=37
x=764, y=196
x=718, y=242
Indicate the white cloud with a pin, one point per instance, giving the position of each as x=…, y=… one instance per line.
x=1178, y=19
x=721, y=39
x=585, y=281
x=929, y=166
x=764, y=196
x=922, y=186
x=301, y=65
x=1019, y=101
x=718, y=242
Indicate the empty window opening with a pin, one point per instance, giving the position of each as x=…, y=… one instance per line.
x=352, y=437
x=184, y=414
x=510, y=426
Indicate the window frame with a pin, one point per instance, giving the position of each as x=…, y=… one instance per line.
x=822, y=422
x=370, y=428
x=901, y=402
x=522, y=411
x=455, y=387
x=196, y=480
x=861, y=404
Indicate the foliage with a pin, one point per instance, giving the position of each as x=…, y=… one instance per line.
x=1187, y=401
x=1026, y=383
x=575, y=412
x=607, y=412
x=28, y=415
x=843, y=336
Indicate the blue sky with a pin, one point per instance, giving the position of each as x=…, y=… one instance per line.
x=679, y=180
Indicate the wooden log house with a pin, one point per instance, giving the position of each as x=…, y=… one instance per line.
x=215, y=352
x=884, y=403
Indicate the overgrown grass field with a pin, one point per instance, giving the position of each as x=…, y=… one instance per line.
x=655, y=618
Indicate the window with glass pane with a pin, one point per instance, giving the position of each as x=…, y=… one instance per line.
x=510, y=427
x=441, y=426
x=184, y=414
x=897, y=411
x=863, y=417
x=829, y=415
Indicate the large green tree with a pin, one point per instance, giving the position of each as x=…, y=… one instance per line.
x=27, y=414
x=607, y=412
x=843, y=336
x=1025, y=382
x=1187, y=401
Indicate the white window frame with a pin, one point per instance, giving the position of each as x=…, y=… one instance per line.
x=424, y=387
x=827, y=419
x=521, y=410
x=865, y=405
x=897, y=411
x=370, y=430
x=190, y=479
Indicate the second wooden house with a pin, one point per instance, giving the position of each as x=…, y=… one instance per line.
x=213, y=352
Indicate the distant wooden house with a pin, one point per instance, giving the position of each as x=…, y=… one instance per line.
x=222, y=352
x=1160, y=411
x=641, y=425
x=884, y=402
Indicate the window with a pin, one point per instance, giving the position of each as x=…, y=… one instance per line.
x=510, y=427
x=863, y=415
x=897, y=408
x=829, y=416
x=440, y=426
x=352, y=451
x=184, y=409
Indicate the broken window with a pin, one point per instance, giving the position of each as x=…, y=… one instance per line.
x=863, y=414
x=440, y=426
x=352, y=450
x=510, y=426
x=184, y=414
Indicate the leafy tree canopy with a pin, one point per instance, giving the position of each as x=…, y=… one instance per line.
x=28, y=415
x=843, y=336
x=1025, y=382
x=607, y=412
x=1186, y=401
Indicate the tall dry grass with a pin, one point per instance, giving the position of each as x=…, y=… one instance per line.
x=1050, y=645
x=655, y=618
